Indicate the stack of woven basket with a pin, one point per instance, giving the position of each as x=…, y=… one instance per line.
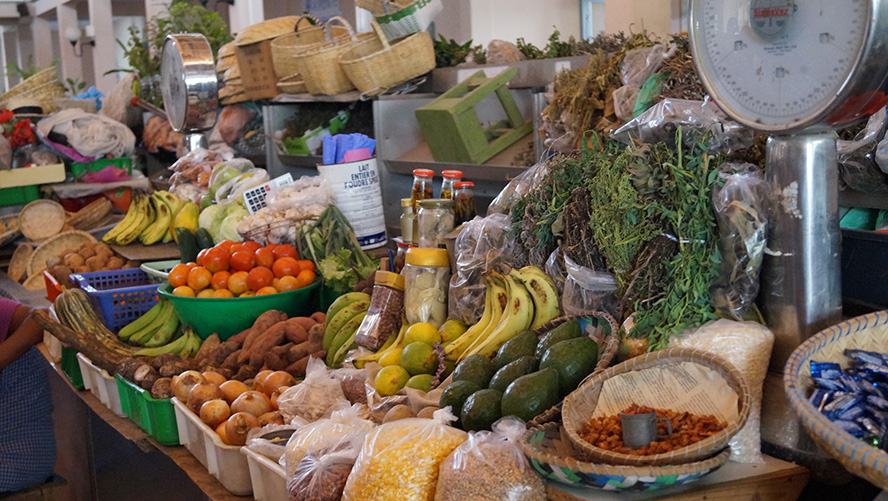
x=231, y=88
x=42, y=87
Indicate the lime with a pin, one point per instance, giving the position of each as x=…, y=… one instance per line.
x=390, y=380
x=422, y=332
x=419, y=358
x=451, y=330
x=391, y=358
x=421, y=382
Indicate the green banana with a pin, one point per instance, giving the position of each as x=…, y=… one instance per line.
x=335, y=324
x=339, y=357
x=192, y=346
x=346, y=335
x=345, y=300
x=165, y=333
x=163, y=316
x=140, y=323
x=161, y=225
x=176, y=346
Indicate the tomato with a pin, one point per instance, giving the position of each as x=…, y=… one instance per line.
x=266, y=291
x=217, y=259
x=184, y=291
x=285, y=250
x=178, y=276
x=264, y=257
x=223, y=293
x=259, y=277
x=253, y=246
x=237, y=283
x=199, y=278
x=200, y=256
x=287, y=283
x=305, y=278
x=306, y=264
x=206, y=293
x=225, y=244
x=220, y=280
x=239, y=248
x=191, y=265
x=270, y=247
x=285, y=266
x=242, y=261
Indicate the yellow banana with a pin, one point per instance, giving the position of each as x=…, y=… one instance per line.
x=145, y=218
x=126, y=222
x=397, y=344
x=161, y=225
x=517, y=318
x=497, y=299
x=542, y=290
x=455, y=349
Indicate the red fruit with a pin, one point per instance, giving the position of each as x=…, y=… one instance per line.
x=242, y=261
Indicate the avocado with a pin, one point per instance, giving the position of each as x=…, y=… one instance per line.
x=512, y=371
x=563, y=332
x=521, y=345
x=531, y=395
x=475, y=368
x=574, y=359
x=456, y=394
x=481, y=410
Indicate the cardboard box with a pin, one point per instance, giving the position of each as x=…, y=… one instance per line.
x=257, y=70
x=54, y=173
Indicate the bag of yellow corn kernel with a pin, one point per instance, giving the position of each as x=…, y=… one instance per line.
x=400, y=459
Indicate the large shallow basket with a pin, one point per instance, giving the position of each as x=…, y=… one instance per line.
x=579, y=405
x=374, y=65
x=551, y=454
x=284, y=47
x=319, y=63
x=867, y=332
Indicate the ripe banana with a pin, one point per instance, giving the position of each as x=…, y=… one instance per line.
x=161, y=225
x=165, y=333
x=145, y=218
x=163, y=316
x=345, y=337
x=174, y=203
x=345, y=300
x=454, y=350
x=516, y=319
x=140, y=323
x=128, y=220
x=500, y=302
x=176, y=346
x=542, y=290
x=336, y=323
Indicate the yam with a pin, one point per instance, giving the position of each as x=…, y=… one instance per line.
x=263, y=322
x=208, y=345
x=245, y=372
x=162, y=388
x=86, y=252
x=276, y=362
x=95, y=263
x=272, y=336
x=319, y=317
x=73, y=260
x=316, y=333
x=298, y=352
x=218, y=354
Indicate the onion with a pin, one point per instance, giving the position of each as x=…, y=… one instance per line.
x=237, y=427
x=273, y=417
x=203, y=392
x=259, y=380
x=252, y=402
x=275, y=380
x=276, y=395
x=233, y=389
x=214, y=412
x=183, y=382
x=214, y=377
x=220, y=430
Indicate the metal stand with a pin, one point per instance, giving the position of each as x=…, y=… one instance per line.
x=194, y=140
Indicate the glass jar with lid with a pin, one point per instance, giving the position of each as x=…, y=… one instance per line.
x=408, y=220
x=434, y=221
x=463, y=202
x=401, y=256
x=384, y=315
x=422, y=186
x=427, y=279
x=451, y=177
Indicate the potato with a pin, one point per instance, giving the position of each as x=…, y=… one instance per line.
x=103, y=250
x=87, y=253
x=82, y=269
x=74, y=260
x=397, y=412
x=89, y=245
x=95, y=263
x=115, y=263
x=54, y=261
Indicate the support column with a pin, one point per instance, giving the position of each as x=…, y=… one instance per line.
x=40, y=34
x=103, y=53
x=72, y=65
x=6, y=83
x=245, y=13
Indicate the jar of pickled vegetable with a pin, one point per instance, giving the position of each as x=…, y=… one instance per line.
x=426, y=280
x=408, y=220
x=434, y=221
x=463, y=202
x=422, y=186
x=451, y=177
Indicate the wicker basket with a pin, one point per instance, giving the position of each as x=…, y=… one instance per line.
x=319, y=63
x=42, y=77
x=551, y=454
x=374, y=66
x=284, y=47
x=413, y=18
x=867, y=332
x=292, y=84
x=45, y=94
x=382, y=7
x=579, y=405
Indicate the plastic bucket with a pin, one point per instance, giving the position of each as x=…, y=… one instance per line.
x=358, y=195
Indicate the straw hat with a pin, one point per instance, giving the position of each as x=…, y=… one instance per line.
x=266, y=30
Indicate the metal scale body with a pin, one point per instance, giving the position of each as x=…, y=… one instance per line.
x=189, y=86
x=797, y=70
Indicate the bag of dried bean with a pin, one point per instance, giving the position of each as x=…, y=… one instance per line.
x=489, y=466
x=400, y=460
x=321, y=475
x=324, y=435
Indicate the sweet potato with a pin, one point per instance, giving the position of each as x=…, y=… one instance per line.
x=218, y=354
x=305, y=322
x=263, y=323
x=295, y=330
x=316, y=333
x=246, y=372
x=297, y=368
x=268, y=340
x=298, y=351
x=207, y=346
x=233, y=361
x=244, y=357
x=276, y=362
x=319, y=317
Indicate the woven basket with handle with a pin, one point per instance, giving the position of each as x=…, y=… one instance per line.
x=319, y=63
x=867, y=332
x=284, y=47
x=579, y=406
x=375, y=65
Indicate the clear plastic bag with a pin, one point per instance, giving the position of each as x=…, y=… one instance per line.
x=638, y=65
x=308, y=196
x=555, y=269
x=271, y=440
x=587, y=291
x=624, y=101
x=862, y=162
x=661, y=121
x=325, y=434
x=489, y=466
x=747, y=346
x=311, y=398
x=321, y=476
x=741, y=209
x=517, y=188
x=400, y=460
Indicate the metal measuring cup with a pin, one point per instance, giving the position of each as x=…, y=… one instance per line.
x=639, y=430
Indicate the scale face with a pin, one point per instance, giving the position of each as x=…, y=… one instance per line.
x=786, y=65
x=188, y=82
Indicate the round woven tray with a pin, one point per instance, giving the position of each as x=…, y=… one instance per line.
x=579, y=405
x=42, y=219
x=56, y=246
x=867, y=332
x=552, y=455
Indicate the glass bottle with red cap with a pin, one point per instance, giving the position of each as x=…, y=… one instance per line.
x=450, y=177
x=422, y=187
x=464, y=202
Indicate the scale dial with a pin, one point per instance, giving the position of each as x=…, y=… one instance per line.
x=188, y=82
x=781, y=65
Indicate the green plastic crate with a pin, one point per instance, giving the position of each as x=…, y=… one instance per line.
x=71, y=368
x=20, y=195
x=79, y=168
x=156, y=417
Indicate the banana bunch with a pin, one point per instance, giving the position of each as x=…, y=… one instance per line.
x=148, y=219
x=343, y=319
x=156, y=327
x=521, y=300
x=186, y=346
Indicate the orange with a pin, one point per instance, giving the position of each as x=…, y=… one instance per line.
x=199, y=278
x=285, y=266
x=237, y=283
x=285, y=250
x=217, y=259
x=275, y=281
x=264, y=291
x=288, y=283
x=200, y=256
x=222, y=293
x=178, y=275
x=242, y=260
x=306, y=264
x=205, y=293
x=264, y=257
x=220, y=280
x=248, y=294
x=259, y=277
x=305, y=278
x=253, y=246
x=184, y=291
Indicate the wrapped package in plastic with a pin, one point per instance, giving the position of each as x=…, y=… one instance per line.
x=624, y=101
x=325, y=435
x=311, y=398
x=863, y=161
x=639, y=64
x=489, y=466
x=741, y=208
x=271, y=440
x=696, y=118
x=587, y=291
x=555, y=269
x=517, y=188
x=400, y=460
x=308, y=196
x=747, y=346
x=321, y=476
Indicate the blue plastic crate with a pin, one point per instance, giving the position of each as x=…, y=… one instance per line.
x=118, y=296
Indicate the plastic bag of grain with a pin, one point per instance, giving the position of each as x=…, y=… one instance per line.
x=747, y=346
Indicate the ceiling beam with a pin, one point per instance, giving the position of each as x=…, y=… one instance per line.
x=8, y=11
x=41, y=7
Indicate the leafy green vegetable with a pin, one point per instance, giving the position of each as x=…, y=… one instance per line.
x=449, y=52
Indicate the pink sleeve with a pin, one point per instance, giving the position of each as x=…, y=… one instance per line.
x=7, y=309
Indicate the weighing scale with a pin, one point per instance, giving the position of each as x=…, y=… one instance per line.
x=795, y=69
x=189, y=86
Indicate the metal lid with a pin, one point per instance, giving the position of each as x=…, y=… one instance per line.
x=423, y=256
x=406, y=202
x=453, y=174
x=390, y=279
x=436, y=203
x=464, y=184
x=423, y=172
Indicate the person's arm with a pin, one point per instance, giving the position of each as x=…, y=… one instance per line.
x=24, y=333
